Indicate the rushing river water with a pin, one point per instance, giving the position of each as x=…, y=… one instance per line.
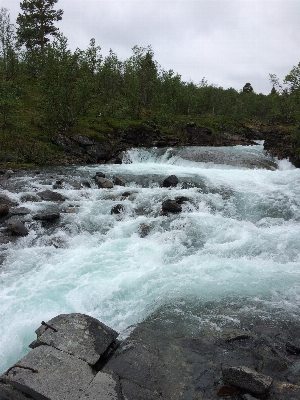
x=236, y=242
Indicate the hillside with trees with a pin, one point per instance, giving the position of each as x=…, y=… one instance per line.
x=50, y=94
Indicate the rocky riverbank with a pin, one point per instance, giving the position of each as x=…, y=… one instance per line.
x=77, y=357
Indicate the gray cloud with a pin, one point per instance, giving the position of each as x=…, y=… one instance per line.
x=229, y=42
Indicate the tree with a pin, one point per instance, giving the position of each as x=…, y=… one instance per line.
x=37, y=23
x=8, y=48
x=248, y=88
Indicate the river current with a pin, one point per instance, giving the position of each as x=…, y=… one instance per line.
x=236, y=243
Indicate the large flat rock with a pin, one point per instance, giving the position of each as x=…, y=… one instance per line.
x=104, y=386
x=77, y=334
x=59, y=377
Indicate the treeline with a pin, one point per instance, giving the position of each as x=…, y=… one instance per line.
x=47, y=90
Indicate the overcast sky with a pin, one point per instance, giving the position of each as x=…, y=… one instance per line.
x=229, y=42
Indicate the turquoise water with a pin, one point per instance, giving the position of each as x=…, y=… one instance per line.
x=237, y=237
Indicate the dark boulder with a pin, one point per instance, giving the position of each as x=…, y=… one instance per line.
x=117, y=209
x=99, y=174
x=4, y=210
x=181, y=199
x=171, y=206
x=85, y=184
x=6, y=200
x=247, y=379
x=103, y=183
x=171, y=180
x=47, y=216
x=17, y=227
x=48, y=195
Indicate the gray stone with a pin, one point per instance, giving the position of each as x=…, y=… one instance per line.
x=17, y=227
x=171, y=206
x=119, y=181
x=59, y=377
x=171, y=180
x=78, y=334
x=20, y=211
x=103, y=387
x=48, y=195
x=103, y=183
x=247, y=379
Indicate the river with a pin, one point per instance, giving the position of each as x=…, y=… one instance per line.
x=235, y=243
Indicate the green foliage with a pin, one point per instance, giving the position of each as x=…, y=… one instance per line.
x=36, y=23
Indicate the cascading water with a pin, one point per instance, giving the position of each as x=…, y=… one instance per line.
x=235, y=243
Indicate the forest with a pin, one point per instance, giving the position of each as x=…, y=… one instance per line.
x=46, y=89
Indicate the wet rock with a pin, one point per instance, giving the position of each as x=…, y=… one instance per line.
x=47, y=216
x=171, y=180
x=119, y=181
x=181, y=199
x=117, y=209
x=29, y=197
x=6, y=200
x=20, y=211
x=58, y=184
x=126, y=194
x=132, y=391
x=115, y=160
x=99, y=174
x=8, y=174
x=17, y=227
x=235, y=334
x=59, y=376
x=144, y=230
x=85, y=184
x=4, y=210
x=247, y=379
x=293, y=347
x=48, y=195
x=171, y=206
x=103, y=183
x=78, y=334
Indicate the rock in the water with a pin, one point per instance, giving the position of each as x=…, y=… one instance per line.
x=47, y=216
x=4, y=210
x=247, y=379
x=99, y=174
x=103, y=183
x=181, y=199
x=6, y=200
x=77, y=334
x=171, y=206
x=17, y=227
x=171, y=180
x=48, y=195
x=85, y=184
x=20, y=211
x=58, y=375
x=119, y=181
x=117, y=209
